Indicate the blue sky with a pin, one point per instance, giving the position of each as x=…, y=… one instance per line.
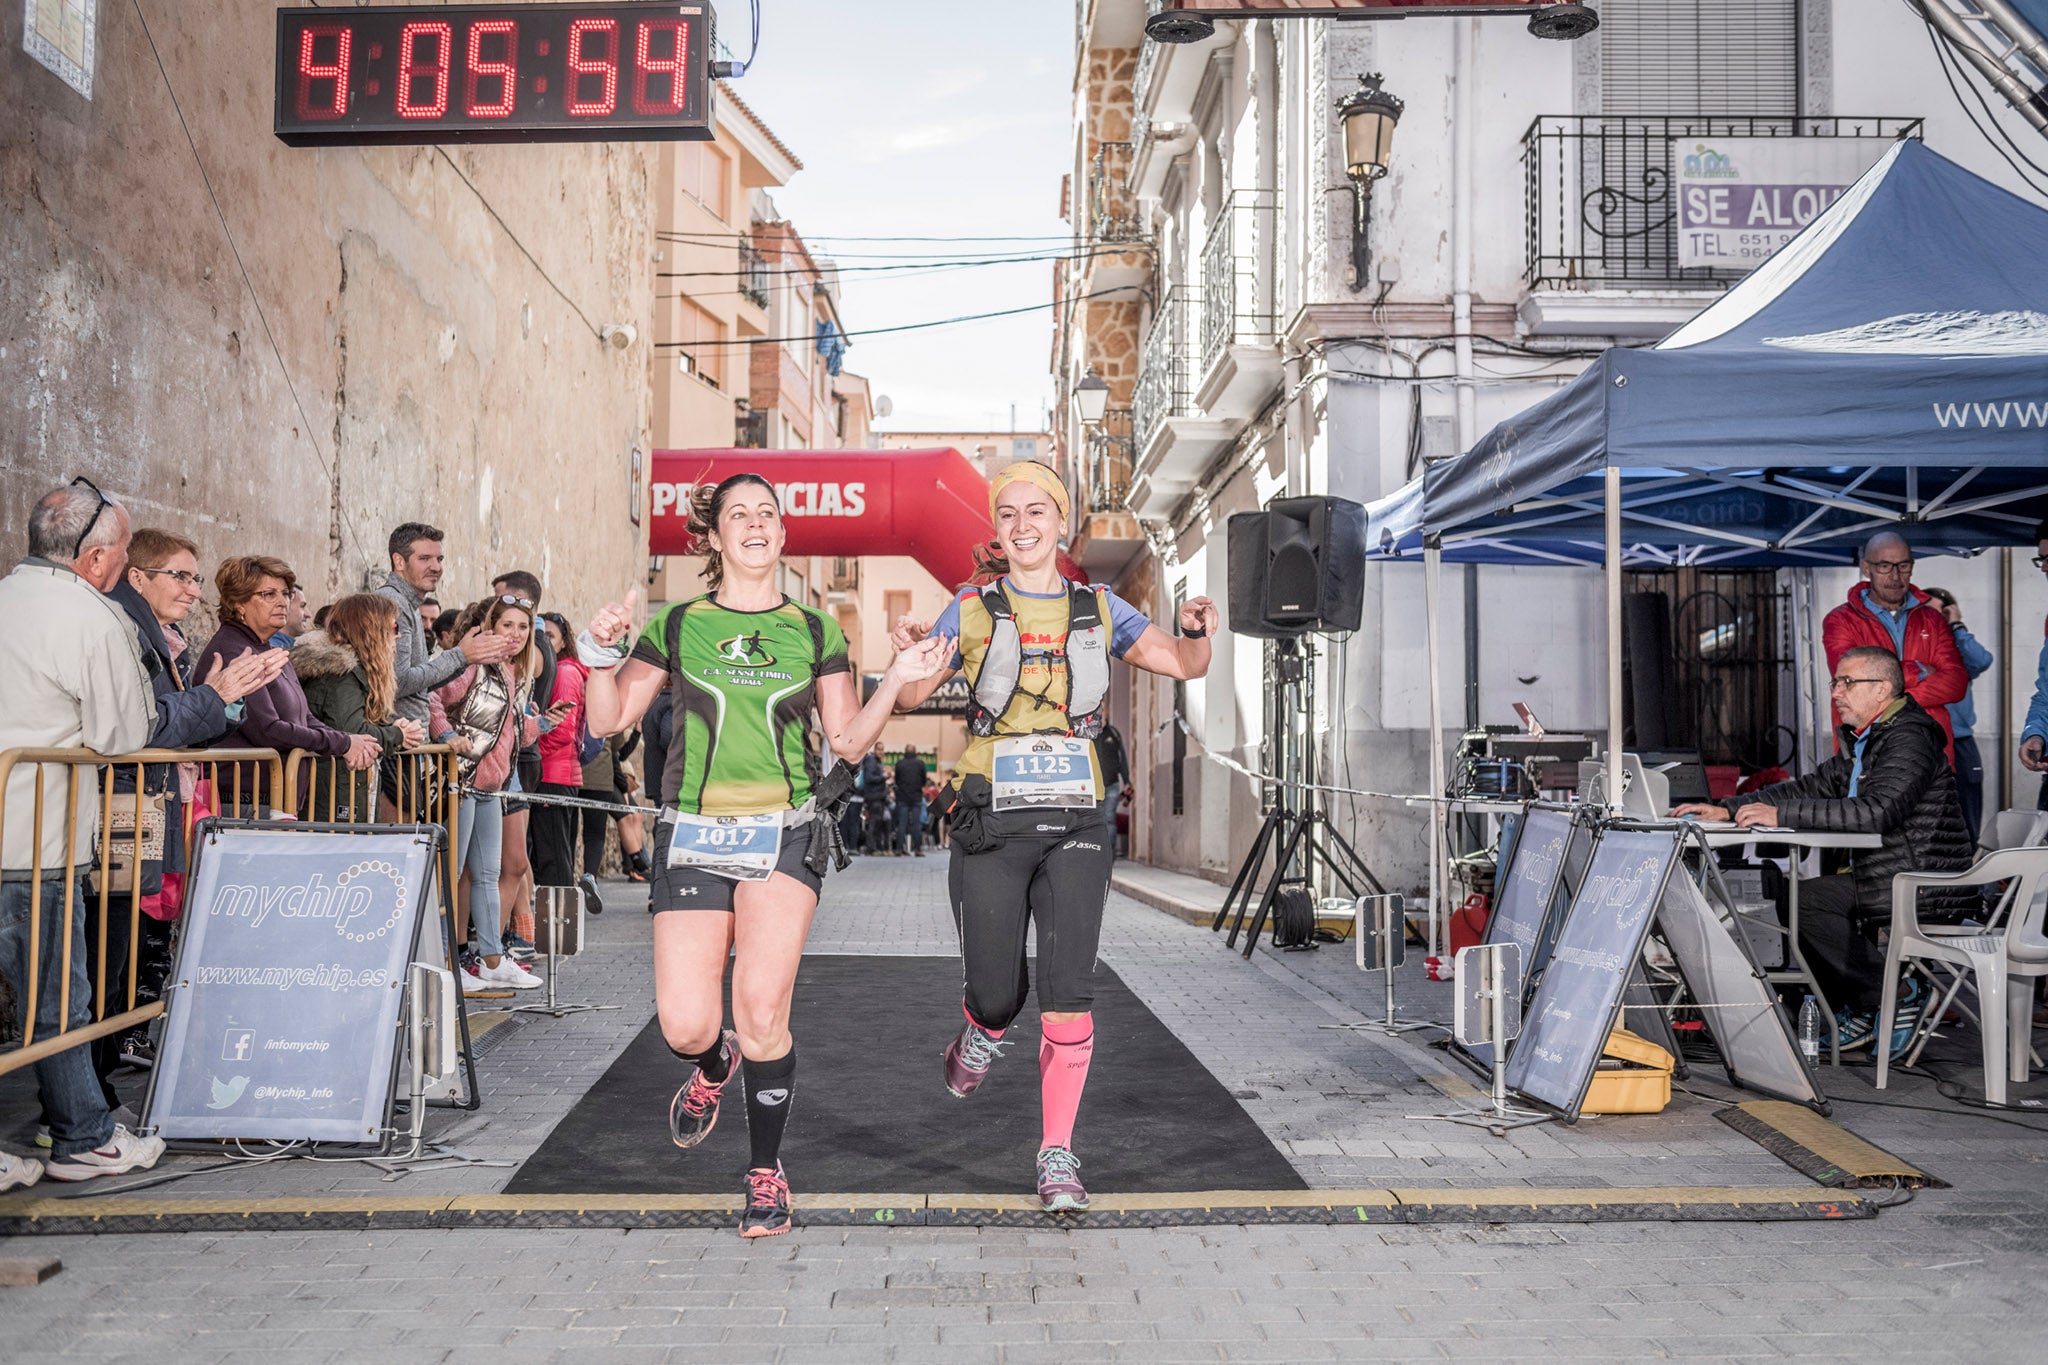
x=945, y=117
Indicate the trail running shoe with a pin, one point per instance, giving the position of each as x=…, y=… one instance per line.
x=968, y=1058
x=1059, y=1181
x=695, y=1107
x=1912, y=1005
x=1853, y=1030
x=767, y=1211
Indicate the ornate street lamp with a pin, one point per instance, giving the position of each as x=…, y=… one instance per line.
x=1091, y=397
x=1369, y=115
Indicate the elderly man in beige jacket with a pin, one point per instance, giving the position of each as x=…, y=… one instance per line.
x=71, y=676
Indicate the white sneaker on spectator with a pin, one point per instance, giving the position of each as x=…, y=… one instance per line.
x=508, y=972
x=122, y=1152
x=475, y=982
x=19, y=1172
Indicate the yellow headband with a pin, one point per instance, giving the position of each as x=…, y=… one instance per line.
x=1035, y=474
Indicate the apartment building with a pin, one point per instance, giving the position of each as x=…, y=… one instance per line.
x=749, y=347
x=1264, y=329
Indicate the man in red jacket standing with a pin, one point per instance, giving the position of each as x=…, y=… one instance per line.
x=1887, y=611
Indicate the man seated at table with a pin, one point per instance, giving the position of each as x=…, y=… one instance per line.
x=1890, y=777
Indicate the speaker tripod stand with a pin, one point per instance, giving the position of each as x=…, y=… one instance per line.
x=1298, y=830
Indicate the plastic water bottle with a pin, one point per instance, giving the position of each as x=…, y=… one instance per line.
x=1809, y=1030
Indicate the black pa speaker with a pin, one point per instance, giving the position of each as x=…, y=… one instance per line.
x=1297, y=567
x=1648, y=682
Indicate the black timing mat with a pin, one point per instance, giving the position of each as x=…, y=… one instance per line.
x=873, y=1114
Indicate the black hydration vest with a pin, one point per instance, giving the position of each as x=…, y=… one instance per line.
x=995, y=685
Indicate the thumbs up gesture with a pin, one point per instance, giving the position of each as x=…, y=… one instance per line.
x=614, y=622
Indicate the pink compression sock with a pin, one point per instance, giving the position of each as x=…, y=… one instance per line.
x=1062, y=1071
x=991, y=1032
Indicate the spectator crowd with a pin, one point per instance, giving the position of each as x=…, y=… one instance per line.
x=100, y=655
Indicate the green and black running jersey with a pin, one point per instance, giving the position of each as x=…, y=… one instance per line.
x=745, y=687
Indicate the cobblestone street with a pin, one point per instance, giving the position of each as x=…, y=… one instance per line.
x=1945, y=1276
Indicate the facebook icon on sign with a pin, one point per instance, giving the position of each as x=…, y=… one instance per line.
x=239, y=1045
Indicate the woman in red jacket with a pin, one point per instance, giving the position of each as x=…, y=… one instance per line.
x=561, y=770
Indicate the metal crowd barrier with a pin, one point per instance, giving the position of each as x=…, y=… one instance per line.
x=124, y=838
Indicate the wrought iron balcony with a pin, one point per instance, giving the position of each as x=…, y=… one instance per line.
x=1165, y=367
x=1600, y=207
x=1235, y=310
x=1148, y=62
x=845, y=574
x=753, y=275
x=1112, y=208
x=1111, y=453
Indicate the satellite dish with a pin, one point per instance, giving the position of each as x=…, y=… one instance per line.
x=883, y=405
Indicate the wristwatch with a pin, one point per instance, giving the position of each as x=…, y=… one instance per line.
x=1198, y=633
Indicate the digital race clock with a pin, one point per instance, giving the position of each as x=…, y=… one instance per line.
x=494, y=73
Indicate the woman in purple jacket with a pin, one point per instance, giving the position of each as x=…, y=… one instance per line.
x=255, y=591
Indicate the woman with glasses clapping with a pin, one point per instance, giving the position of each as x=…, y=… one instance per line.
x=254, y=591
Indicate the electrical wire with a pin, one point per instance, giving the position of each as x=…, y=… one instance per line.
x=678, y=234
x=909, y=273
x=880, y=331
x=735, y=70
x=1051, y=251
x=1965, y=1108
x=1946, y=46
x=1944, y=55
x=908, y=266
x=319, y=456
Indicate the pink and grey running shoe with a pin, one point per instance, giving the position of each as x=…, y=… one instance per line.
x=1059, y=1181
x=767, y=1211
x=968, y=1058
x=695, y=1107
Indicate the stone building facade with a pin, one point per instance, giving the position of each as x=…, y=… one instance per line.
x=289, y=351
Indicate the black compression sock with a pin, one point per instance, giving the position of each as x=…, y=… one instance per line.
x=716, y=1063
x=769, y=1088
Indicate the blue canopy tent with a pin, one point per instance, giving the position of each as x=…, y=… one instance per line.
x=1888, y=366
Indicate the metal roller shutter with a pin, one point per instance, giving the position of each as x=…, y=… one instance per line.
x=1716, y=57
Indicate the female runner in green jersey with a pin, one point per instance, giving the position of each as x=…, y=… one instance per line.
x=747, y=668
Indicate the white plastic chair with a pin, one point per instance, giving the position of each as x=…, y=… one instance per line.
x=2013, y=829
x=1992, y=959
x=2005, y=829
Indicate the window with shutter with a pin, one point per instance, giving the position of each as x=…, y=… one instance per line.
x=1715, y=57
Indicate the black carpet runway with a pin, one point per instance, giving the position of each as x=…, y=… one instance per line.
x=873, y=1114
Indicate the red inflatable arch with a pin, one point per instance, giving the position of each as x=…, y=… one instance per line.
x=929, y=504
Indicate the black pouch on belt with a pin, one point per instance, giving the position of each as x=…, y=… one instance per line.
x=973, y=821
x=827, y=851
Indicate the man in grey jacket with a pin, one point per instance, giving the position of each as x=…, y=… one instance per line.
x=416, y=568
x=72, y=677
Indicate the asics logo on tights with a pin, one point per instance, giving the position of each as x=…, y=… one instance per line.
x=771, y=1096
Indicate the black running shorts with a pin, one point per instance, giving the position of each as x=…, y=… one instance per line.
x=1048, y=868
x=690, y=888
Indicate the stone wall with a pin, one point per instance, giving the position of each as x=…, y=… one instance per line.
x=289, y=351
